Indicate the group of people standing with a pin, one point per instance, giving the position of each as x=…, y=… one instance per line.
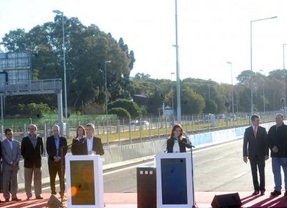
x=32, y=149
x=257, y=143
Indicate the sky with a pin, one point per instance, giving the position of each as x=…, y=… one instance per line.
x=210, y=32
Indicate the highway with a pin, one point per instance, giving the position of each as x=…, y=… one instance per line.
x=219, y=168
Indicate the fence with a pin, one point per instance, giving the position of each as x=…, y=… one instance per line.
x=118, y=132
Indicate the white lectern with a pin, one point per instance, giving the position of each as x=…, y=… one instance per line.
x=84, y=181
x=174, y=180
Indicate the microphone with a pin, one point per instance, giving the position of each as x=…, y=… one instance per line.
x=187, y=144
x=63, y=147
x=83, y=140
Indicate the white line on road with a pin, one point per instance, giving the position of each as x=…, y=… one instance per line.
x=241, y=174
x=218, y=158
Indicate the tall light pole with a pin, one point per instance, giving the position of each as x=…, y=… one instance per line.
x=64, y=63
x=171, y=89
x=251, y=90
x=263, y=94
x=178, y=97
x=232, y=100
x=284, y=71
x=274, y=100
x=106, y=89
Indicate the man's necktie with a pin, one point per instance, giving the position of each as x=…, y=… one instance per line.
x=255, y=131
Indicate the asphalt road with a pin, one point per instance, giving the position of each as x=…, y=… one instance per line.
x=218, y=168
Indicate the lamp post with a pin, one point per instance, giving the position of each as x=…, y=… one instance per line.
x=232, y=100
x=64, y=63
x=264, y=98
x=274, y=100
x=106, y=89
x=178, y=97
x=263, y=95
x=251, y=90
x=171, y=89
x=284, y=71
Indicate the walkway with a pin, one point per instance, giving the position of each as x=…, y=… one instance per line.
x=129, y=200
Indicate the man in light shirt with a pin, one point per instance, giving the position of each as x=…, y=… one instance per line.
x=94, y=144
x=90, y=144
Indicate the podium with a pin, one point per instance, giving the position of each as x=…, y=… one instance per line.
x=174, y=180
x=84, y=181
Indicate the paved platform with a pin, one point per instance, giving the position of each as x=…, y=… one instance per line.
x=129, y=200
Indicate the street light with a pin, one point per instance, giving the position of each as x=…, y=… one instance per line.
x=285, y=93
x=178, y=98
x=232, y=100
x=171, y=90
x=274, y=100
x=106, y=90
x=263, y=94
x=64, y=63
x=251, y=91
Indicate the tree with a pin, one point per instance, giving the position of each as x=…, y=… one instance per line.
x=192, y=102
x=120, y=112
x=87, y=49
x=131, y=107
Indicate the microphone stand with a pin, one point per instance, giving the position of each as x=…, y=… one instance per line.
x=190, y=146
x=63, y=167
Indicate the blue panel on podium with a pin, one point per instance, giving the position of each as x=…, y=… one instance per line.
x=174, y=180
x=174, y=183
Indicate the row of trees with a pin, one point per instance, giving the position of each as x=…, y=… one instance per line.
x=87, y=50
x=206, y=96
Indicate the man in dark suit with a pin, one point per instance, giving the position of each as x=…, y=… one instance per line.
x=32, y=151
x=56, y=146
x=11, y=156
x=255, y=148
x=90, y=144
x=277, y=143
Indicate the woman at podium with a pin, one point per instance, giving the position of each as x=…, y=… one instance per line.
x=178, y=140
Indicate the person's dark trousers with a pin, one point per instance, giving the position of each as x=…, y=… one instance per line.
x=258, y=164
x=54, y=169
x=62, y=181
x=1, y=180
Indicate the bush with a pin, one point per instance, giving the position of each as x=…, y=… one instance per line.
x=120, y=112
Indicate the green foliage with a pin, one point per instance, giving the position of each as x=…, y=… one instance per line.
x=192, y=103
x=130, y=106
x=87, y=49
x=120, y=112
x=32, y=109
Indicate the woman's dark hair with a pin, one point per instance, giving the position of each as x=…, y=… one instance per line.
x=81, y=127
x=176, y=126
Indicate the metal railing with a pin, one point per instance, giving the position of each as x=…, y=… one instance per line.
x=27, y=87
x=118, y=132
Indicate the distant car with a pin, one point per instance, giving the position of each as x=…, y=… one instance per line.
x=142, y=123
x=221, y=116
x=134, y=122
